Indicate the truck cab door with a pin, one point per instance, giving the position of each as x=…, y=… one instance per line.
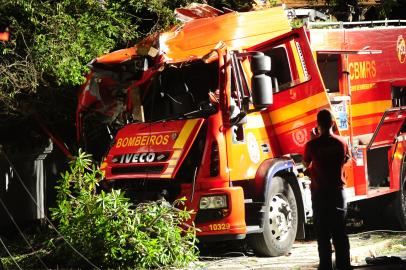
x=285, y=126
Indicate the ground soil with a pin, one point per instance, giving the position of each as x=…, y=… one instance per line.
x=303, y=255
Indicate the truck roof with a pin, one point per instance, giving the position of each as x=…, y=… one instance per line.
x=198, y=37
x=237, y=30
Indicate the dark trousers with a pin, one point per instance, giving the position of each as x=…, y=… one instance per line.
x=329, y=209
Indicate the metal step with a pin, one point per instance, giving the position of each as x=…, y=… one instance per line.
x=254, y=229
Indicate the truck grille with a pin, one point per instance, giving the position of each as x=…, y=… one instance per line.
x=156, y=169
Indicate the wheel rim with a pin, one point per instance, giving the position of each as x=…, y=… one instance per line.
x=280, y=217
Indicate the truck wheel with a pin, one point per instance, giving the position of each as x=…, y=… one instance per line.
x=279, y=223
x=401, y=204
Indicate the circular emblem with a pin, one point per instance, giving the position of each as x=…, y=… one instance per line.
x=253, y=148
x=401, y=49
x=299, y=137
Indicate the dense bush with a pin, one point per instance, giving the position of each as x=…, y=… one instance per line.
x=110, y=231
x=52, y=41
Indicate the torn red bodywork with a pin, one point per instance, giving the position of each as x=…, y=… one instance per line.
x=193, y=40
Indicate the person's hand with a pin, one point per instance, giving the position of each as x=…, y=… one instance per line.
x=314, y=133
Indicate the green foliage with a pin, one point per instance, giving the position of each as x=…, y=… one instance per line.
x=111, y=232
x=384, y=9
x=296, y=23
x=52, y=41
x=392, y=9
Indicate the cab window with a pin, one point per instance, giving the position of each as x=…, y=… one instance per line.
x=280, y=68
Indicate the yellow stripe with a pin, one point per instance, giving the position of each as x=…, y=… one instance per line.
x=370, y=107
x=297, y=61
x=168, y=171
x=298, y=108
x=103, y=165
x=359, y=87
x=184, y=134
x=172, y=162
x=291, y=125
x=255, y=121
x=176, y=154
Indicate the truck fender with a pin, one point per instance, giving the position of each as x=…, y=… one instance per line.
x=279, y=167
x=268, y=169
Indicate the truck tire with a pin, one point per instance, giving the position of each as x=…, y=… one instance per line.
x=279, y=222
x=401, y=204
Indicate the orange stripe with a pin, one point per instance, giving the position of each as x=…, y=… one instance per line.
x=366, y=121
x=296, y=109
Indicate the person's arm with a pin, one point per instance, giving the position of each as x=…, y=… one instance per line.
x=307, y=159
x=306, y=164
x=347, y=155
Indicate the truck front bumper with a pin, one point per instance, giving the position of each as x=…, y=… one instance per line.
x=223, y=223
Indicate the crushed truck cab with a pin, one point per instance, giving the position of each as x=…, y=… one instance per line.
x=219, y=109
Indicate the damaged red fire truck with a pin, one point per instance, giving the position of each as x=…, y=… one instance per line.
x=218, y=110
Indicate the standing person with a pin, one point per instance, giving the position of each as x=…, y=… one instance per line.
x=326, y=154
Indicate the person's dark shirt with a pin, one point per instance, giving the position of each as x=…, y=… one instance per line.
x=327, y=155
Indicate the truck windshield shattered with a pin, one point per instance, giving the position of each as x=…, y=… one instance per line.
x=179, y=92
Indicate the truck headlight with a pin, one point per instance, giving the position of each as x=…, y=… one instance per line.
x=213, y=202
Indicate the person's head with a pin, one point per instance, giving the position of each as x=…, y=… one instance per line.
x=324, y=119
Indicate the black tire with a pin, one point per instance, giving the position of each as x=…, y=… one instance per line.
x=401, y=205
x=279, y=223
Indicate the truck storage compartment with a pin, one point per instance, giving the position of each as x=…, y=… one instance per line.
x=378, y=167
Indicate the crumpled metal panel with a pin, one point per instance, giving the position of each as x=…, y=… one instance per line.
x=237, y=30
x=194, y=39
x=198, y=37
x=196, y=11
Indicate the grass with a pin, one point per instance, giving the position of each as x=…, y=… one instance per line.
x=396, y=246
x=380, y=243
x=23, y=254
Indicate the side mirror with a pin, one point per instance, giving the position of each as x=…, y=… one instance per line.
x=261, y=84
